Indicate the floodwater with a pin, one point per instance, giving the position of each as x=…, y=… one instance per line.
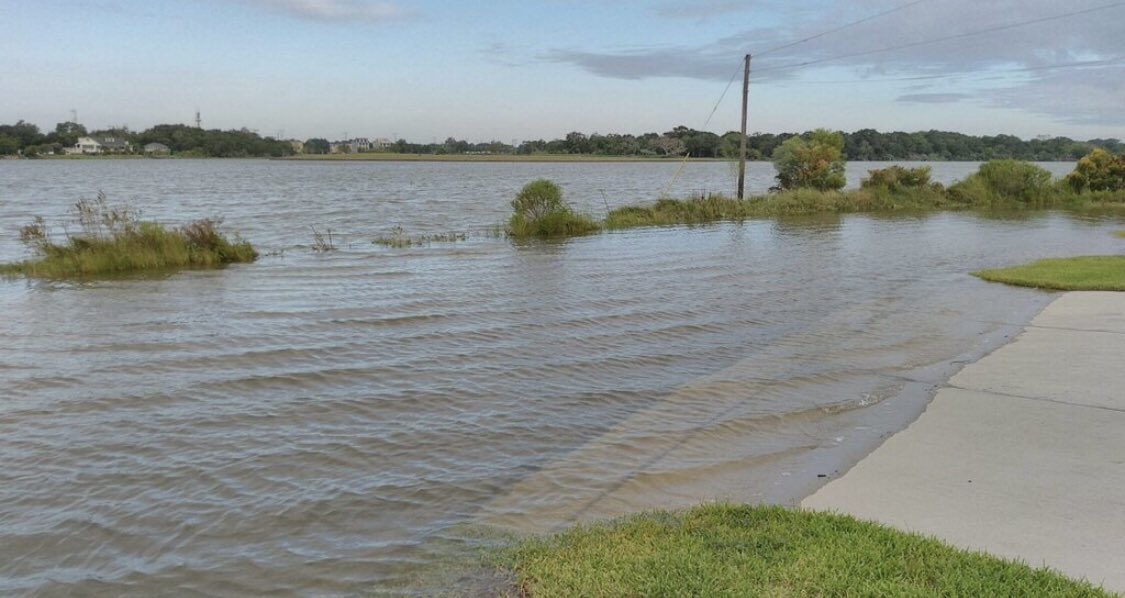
x=359, y=421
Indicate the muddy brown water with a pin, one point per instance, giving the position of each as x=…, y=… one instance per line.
x=360, y=421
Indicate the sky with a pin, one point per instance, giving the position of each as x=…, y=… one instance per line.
x=512, y=70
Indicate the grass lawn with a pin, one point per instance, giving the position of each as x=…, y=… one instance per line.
x=727, y=550
x=1089, y=273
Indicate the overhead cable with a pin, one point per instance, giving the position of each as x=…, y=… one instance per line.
x=946, y=38
x=839, y=29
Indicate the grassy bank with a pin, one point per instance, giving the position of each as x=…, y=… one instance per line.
x=390, y=157
x=998, y=185
x=716, y=208
x=114, y=242
x=724, y=550
x=1089, y=273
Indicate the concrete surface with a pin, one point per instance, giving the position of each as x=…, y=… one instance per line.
x=1021, y=455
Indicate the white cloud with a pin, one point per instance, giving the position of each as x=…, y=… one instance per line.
x=699, y=10
x=896, y=46
x=340, y=11
x=933, y=98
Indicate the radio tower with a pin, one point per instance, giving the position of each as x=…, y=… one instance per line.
x=198, y=121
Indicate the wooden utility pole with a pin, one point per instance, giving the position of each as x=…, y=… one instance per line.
x=742, y=144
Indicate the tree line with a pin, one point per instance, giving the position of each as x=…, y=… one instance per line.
x=26, y=139
x=863, y=145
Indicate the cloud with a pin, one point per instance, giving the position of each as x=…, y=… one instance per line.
x=1079, y=97
x=933, y=98
x=336, y=11
x=896, y=45
x=498, y=52
x=699, y=10
x=668, y=62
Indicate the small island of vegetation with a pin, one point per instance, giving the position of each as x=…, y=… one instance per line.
x=727, y=550
x=541, y=212
x=113, y=241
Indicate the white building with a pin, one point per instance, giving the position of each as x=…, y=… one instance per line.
x=99, y=145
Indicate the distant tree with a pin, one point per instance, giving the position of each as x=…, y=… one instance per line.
x=668, y=146
x=8, y=145
x=67, y=133
x=25, y=133
x=816, y=162
x=577, y=143
x=316, y=145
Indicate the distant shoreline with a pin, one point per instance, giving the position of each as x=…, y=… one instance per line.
x=539, y=158
x=488, y=158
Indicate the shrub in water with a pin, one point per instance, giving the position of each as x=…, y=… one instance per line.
x=896, y=178
x=815, y=163
x=541, y=212
x=1004, y=181
x=1098, y=171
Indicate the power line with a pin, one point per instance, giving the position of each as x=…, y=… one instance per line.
x=734, y=75
x=947, y=38
x=839, y=29
x=723, y=96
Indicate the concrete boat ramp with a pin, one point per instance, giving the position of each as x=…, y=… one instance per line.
x=1021, y=454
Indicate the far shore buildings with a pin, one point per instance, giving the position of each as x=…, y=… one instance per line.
x=350, y=146
x=358, y=145
x=157, y=149
x=99, y=145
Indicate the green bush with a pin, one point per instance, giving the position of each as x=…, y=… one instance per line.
x=816, y=162
x=541, y=212
x=1098, y=171
x=1004, y=181
x=896, y=178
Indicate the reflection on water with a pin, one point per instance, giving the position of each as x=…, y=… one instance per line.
x=332, y=424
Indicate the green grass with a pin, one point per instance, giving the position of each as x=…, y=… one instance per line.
x=552, y=226
x=726, y=550
x=1089, y=273
x=716, y=208
x=144, y=247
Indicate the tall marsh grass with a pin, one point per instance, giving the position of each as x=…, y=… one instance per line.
x=113, y=240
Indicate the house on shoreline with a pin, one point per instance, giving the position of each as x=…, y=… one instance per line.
x=351, y=146
x=100, y=145
x=157, y=149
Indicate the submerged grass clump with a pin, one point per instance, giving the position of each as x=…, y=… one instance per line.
x=114, y=241
x=1088, y=273
x=322, y=242
x=398, y=239
x=727, y=550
